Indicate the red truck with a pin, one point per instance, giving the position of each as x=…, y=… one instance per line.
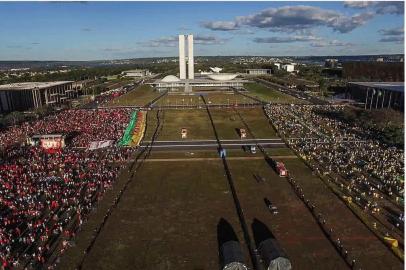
x=281, y=169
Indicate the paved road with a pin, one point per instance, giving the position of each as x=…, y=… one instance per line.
x=212, y=144
x=204, y=159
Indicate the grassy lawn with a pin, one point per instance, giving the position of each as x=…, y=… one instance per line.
x=357, y=236
x=270, y=95
x=177, y=99
x=227, y=122
x=294, y=227
x=138, y=97
x=226, y=98
x=167, y=219
x=258, y=123
x=150, y=125
x=211, y=98
x=197, y=123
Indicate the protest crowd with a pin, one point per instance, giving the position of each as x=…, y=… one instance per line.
x=88, y=125
x=45, y=196
x=372, y=172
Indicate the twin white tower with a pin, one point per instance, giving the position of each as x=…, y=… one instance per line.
x=182, y=57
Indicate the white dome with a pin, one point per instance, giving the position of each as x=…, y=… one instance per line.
x=170, y=78
x=222, y=76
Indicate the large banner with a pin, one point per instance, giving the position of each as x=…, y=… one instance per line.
x=100, y=144
x=52, y=143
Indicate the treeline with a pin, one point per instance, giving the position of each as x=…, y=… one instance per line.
x=88, y=73
x=374, y=71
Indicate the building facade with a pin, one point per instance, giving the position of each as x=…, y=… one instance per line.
x=136, y=73
x=259, y=71
x=377, y=95
x=31, y=95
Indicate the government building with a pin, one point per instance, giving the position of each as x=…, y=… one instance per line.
x=31, y=95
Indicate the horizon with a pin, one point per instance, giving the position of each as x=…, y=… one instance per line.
x=176, y=57
x=103, y=31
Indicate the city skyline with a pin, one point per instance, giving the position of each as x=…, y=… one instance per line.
x=107, y=30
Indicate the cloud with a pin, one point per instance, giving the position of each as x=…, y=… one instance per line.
x=397, y=39
x=359, y=4
x=209, y=40
x=396, y=35
x=286, y=39
x=221, y=25
x=173, y=41
x=293, y=19
x=86, y=29
x=347, y=24
x=390, y=7
x=392, y=31
x=331, y=43
x=380, y=7
x=245, y=32
x=315, y=41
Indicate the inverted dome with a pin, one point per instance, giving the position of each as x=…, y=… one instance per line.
x=170, y=78
x=222, y=76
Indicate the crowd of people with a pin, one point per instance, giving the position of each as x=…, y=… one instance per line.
x=83, y=126
x=371, y=169
x=46, y=196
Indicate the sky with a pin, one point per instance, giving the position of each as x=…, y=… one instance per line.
x=117, y=30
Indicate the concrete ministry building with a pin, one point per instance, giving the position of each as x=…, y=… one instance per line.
x=30, y=95
x=187, y=78
x=136, y=73
x=377, y=95
x=259, y=71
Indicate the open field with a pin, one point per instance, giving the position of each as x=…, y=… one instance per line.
x=294, y=227
x=196, y=121
x=229, y=98
x=179, y=100
x=371, y=253
x=199, y=127
x=167, y=219
x=228, y=122
x=225, y=98
x=138, y=97
x=270, y=95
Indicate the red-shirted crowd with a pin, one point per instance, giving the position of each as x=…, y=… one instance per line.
x=44, y=197
x=85, y=125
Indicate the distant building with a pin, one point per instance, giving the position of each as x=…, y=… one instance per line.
x=214, y=80
x=278, y=65
x=331, y=63
x=259, y=71
x=379, y=59
x=30, y=95
x=288, y=67
x=187, y=80
x=136, y=73
x=377, y=95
